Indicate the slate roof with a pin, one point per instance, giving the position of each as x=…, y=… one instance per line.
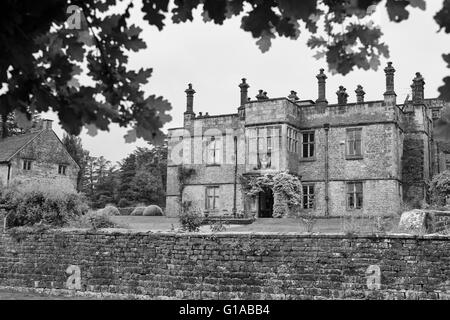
x=9, y=146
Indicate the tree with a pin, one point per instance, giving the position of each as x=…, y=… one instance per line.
x=75, y=148
x=43, y=49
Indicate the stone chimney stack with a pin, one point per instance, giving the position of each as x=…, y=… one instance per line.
x=189, y=114
x=244, y=91
x=418, y=88
x=342, y=96
x=390, y=95
x=321, y=78
x=47, y=124
x=359, y=94
x=293, y=96
x=190, y=99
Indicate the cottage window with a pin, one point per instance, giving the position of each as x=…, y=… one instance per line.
x=62, y=169
x=213, y=156
x=354, y=142
x=212, y=198
x=308, y=197
x=308, y=144
x=292, y=140
x=354, y=195
x=27, y=164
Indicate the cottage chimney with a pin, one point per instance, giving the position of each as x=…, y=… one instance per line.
x=342, y=96
x=359, y=94
x=321, y=78
x=418, y=88
x=293, y=96
x=390, y=95
x=244, y=91
x=47, y=124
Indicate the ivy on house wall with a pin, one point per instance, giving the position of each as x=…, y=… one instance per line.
x=286, y=188
x=184, y=174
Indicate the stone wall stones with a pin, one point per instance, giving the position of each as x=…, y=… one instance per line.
x=229, y=266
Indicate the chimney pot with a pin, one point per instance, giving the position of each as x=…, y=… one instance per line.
x=293, y=96
x=359, y=94
x=342, y=95
x=262, y=95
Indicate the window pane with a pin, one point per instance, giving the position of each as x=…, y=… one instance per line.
x=358, y=187
x=350, y=187
x=358, y=147
x=311, y=150
x=351, y=202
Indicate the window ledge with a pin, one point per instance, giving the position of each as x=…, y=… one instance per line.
x=349, y=157
x=213, y=164
x=308, y=159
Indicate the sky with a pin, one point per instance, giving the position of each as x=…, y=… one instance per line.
x=215, y=58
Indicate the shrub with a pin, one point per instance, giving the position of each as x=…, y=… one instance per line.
x=152, y=210
x=191, y=218
x=307, y=221
x=53, y=204
x=138, y=211
x=125, y=211
x=440, y=188
x=217, y=225
x=94, y=220
x=110, y=210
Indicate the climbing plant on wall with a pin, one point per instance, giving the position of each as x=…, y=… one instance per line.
x=286, y=188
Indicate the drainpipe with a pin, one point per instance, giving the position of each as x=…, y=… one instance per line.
x=326, y=126
x=235, y=176
x=9, y=173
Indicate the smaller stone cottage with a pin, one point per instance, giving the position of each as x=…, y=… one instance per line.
x=38, y=155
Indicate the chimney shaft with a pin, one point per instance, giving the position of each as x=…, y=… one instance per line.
x=418, y=88
x=390, y=95
x=244, y=91
x=189, y=99
x=359, y=94
x=389, y=71
x=321, y=78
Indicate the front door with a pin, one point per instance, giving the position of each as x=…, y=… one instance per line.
x=265, y=204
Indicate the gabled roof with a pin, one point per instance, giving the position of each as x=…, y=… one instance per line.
x=11, y=145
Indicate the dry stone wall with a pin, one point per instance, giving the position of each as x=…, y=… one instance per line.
x=228, y=266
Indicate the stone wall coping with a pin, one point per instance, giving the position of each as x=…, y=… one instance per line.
x=256, y=235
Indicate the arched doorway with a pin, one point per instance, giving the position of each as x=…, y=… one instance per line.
x=265, y=204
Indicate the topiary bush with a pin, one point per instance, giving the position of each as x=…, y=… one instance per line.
x=138, y=211
x=152, y=210
x=110, y=210
x=36, y=202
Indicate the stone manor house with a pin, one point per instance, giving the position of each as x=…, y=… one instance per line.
x=358, y=157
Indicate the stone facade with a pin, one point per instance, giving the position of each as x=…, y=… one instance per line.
x=356, y=158
x=37, y=156
x=227, y=266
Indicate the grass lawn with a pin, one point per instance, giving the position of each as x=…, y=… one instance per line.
x=332, y=225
